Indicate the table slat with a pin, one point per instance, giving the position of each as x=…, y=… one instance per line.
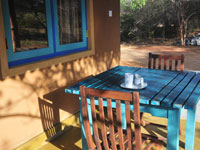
x=156, y=82
x=177, y=90
x=186, y=92
x=75, y=88
x=114, y=80
x=194, y=98
x=167, y=89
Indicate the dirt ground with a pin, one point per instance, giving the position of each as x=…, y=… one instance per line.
x=137, y=55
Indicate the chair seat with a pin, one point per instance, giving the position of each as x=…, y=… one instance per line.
x=148, y=141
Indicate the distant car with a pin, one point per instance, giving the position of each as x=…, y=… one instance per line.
x=194, y=40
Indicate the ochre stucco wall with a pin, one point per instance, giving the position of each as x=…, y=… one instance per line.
x=19, y=110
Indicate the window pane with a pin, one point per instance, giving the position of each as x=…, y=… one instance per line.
x=28, y=24
x=69, y=21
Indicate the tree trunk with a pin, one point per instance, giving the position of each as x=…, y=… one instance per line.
x=182, y=25
x=14, y=25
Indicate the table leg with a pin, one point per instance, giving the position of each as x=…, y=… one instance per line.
x=190, y=129
x=173, y=129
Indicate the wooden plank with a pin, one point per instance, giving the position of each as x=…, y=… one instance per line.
x=157, y=80
x=109, y=94
x=103, y=126
x=176, y=64
x=75, y=88
x=128, y=121
x=194, y=98
x=170, y=64
x=165, y=63
x=116, y=80
x=106, y=76
x=150, y=77
x=94, y=124
x=138, y=137
x=180, y=101
x=149, y=61
x=119, y=124
x=154, y=63
x=167, y=89
x=111, y=124
x=146, y=73
x=111, y=83
x=86, y=119
x=97, y=80
x=159, y=63
x=177, y=90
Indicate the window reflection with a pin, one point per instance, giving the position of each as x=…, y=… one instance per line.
x=69, y=21
x=28, y=24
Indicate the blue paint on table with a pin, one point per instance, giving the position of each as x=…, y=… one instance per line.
x=194, y=98
x=177, y=90
x=167, y=89
x=186, y=92
x=190, y=129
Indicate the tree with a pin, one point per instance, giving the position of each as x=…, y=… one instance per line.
x=139, y=18
x=146, y=19
x=184, y=14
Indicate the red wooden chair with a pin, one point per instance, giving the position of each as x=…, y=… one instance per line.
x=165, y=62
x=111, y=134
x=157, y=61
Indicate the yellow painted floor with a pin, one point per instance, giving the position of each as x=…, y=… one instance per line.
x=71, y=140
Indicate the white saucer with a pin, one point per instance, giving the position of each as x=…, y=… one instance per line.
x=134, y=87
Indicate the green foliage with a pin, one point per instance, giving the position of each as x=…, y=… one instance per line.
x=127, y=23
x=147, y=19
x=137, y=4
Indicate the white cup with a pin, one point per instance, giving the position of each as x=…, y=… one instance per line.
x=128, y=79
x=138, y=80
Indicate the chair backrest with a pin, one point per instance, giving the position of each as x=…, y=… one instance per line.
x=168, y=62
x=106, y=97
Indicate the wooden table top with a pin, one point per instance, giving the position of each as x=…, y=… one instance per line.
x=165, y=88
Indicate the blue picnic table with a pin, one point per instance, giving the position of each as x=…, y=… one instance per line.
x=167, y=94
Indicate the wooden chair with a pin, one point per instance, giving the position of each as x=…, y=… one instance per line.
x=165, y=62
x=168, y=62
x=111, y=122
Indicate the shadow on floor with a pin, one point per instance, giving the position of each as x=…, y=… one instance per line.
x=50, y=106
x=70, y=140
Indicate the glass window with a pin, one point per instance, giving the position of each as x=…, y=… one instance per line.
x=69, y=21
x=70, y=25
x=28, y=24
x=36, y=30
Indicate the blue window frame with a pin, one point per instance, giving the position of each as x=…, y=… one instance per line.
x=54, y=47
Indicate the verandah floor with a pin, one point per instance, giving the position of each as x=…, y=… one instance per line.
x=71, y=139
x=131, y=55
